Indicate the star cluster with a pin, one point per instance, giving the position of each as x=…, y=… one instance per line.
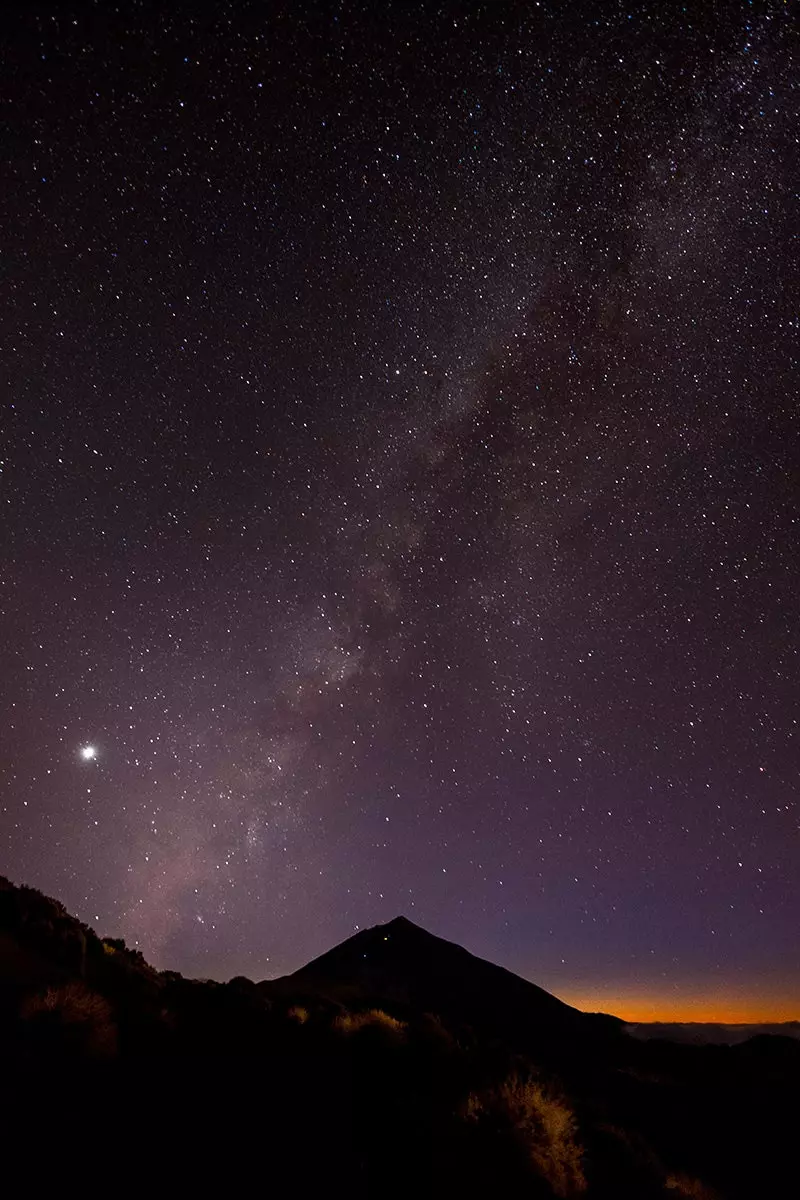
x=399, y=484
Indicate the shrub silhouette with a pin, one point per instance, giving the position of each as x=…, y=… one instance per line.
x=71, y=1019
x=373, y=1018
x=542, y=1122
x=690, y=1188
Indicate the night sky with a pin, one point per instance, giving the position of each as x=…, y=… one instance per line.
x=400, y=486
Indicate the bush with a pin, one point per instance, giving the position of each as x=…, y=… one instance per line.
x=543, y=1123
x=71, y=1018
x=687, y=1186
x=373, y=1018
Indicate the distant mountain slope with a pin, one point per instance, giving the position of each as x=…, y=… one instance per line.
x=401, y=963
x=710, y=1033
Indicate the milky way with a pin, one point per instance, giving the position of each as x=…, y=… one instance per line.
x=400, y=485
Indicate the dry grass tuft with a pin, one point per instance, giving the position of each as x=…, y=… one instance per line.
x=545, y=1125
x=81, y=1015
x=373, y=1018
x=689, y=1187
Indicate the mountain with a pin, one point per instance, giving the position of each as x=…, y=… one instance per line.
x=395, y=1063
x=701, y=1033
x=402, y=964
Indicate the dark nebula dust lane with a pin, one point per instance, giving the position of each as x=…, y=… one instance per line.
x=399, y=486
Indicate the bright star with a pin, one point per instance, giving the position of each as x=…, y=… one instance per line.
x=88, y=752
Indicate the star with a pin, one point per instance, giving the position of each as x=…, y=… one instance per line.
x=88, y=753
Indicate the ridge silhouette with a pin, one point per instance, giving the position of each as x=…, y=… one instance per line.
x=400, y=962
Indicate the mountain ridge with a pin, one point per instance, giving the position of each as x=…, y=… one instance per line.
x=400, y=962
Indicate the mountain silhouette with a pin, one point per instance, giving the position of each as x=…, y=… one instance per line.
x=401, y=963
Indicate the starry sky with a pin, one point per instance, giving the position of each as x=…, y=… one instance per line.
x=399, y=486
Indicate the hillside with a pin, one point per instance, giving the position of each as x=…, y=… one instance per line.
x=395, y=1061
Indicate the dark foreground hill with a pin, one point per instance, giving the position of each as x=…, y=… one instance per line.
x=395, y=1064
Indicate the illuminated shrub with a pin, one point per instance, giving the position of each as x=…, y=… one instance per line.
x=690, y=1188
x=373, y=1018
x=543, y=1123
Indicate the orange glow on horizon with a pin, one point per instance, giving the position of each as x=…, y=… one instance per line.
x=718, y=1008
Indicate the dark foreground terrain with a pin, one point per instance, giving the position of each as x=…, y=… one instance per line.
x=395, y=1065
